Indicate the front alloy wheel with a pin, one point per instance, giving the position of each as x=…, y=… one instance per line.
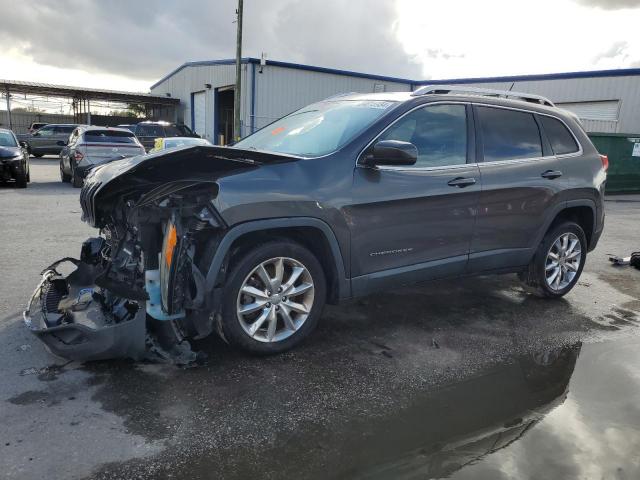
x=272, y=297
x=275, y=299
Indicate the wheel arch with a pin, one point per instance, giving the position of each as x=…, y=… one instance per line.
x=582, y=212
x=314, y=234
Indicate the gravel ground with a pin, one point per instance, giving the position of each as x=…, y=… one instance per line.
x=388, y=383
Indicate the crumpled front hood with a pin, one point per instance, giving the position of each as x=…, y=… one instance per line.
x=184, y=166
x=182, y=163
x=9, y=152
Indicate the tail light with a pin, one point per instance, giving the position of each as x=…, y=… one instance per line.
x=605, y=162
x=78, y=156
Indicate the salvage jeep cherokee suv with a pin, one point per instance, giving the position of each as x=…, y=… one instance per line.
x=348, y=196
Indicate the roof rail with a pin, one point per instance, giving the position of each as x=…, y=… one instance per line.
x=485, y=92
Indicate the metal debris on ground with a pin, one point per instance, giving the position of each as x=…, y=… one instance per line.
x=633, y=260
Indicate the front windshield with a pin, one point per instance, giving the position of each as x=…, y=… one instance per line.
x=7, y=140
x=317, y=129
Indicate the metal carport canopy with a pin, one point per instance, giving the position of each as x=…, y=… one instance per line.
x=15, y=86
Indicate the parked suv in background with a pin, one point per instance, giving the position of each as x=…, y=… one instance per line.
x=36, y=126
x=356, y=194
x=91, y=146
x=45, y=140
x=147, y=132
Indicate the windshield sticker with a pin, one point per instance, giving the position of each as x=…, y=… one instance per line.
x=277, y=131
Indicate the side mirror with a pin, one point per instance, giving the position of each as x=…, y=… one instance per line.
x=61, y=143
x=35, y=134
x=392, y=152
x=24, y=144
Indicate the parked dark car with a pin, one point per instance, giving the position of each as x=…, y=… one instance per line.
x=45, y=140
x=147, y=132
x=357, y=194
x=91, y=146
x=14, y=159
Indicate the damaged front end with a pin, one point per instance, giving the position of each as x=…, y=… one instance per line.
x=139, y=288
x=80, y=321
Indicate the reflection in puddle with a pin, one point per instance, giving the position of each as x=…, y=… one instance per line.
x=461, y=423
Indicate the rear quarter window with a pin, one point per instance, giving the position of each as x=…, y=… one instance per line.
x=561, y=139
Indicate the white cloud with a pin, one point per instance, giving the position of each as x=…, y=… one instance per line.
x=498, y=37
x=126, y=45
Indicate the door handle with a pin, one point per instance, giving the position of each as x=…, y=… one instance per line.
x=551, y=174
x=461, y=182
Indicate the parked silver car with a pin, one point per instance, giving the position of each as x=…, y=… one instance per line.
x=45, y=140
x=90, y=146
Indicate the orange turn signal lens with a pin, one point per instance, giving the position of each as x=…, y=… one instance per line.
x=170, y=244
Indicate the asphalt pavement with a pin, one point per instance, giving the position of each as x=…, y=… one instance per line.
x=468, y=378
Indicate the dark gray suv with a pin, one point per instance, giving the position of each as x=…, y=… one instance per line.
x=345, y=197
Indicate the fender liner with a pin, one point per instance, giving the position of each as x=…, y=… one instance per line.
x=344, y=284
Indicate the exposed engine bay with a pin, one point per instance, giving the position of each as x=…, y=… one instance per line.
x=138, y=289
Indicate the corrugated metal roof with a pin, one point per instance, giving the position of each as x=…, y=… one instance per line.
x=17, y=86
x=510, y=78
x=275, y=63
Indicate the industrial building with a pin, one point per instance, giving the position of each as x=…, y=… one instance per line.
x=268, y=91
x=607, y=101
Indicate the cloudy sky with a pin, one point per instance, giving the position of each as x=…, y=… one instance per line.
x=124, y=44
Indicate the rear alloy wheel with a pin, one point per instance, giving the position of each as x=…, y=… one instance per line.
x=563, y=261
x=273, y=299
x=558, y=262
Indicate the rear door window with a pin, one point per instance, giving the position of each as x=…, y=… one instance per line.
x=562, y=142
x=508, y=134
x=105, y=136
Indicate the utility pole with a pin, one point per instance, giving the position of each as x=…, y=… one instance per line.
x=236, y=96
x=9, y=108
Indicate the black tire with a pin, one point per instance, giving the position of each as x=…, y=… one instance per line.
x=21, y=180
x=241, y=267
x=64, y=177
x=76, y=180
x=37, y=155
x=534, y=277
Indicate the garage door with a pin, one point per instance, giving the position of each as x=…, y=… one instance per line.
x=199, y=113
x=606, y=110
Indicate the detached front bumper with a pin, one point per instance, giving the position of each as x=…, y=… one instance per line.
x=80, y=321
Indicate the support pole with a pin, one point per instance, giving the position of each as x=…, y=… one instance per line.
x=88, y=112
x=9, y=108
x=236, y=97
